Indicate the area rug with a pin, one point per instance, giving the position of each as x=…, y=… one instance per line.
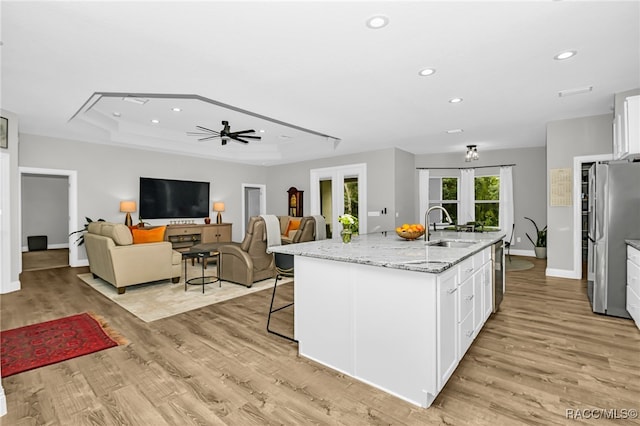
x=162, y=299
x=46, y=343
x=518, y=264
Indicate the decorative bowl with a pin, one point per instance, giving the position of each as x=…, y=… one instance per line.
x=409, y=235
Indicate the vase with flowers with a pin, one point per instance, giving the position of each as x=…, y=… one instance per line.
x=349, y=226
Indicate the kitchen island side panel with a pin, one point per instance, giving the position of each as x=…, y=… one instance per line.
x=375, y=324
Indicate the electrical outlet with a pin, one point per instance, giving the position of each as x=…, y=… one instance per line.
x=518, y=239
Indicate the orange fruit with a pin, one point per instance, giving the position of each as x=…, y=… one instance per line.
x=405, y=226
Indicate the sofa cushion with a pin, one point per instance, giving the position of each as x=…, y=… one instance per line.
x=294, y=224
x=118, y=232
x=152, y=235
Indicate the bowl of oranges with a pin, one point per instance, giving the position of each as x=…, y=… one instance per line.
x=410, y=231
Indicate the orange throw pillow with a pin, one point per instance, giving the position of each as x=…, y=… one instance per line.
x=153, y=235
x=293, y=226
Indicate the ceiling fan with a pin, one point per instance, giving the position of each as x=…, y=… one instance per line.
x=225, y=134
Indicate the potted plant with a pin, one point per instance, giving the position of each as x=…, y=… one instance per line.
x=540, y=244
x=80, y=240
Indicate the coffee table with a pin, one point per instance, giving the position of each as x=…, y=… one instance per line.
x=203, y=256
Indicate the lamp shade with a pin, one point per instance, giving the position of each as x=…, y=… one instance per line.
x=218, y=207
x=127, y=206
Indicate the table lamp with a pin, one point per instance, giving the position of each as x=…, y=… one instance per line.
x=128, y=207
x=218, y=207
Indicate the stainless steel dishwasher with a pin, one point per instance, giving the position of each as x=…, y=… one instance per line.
x=497, y=261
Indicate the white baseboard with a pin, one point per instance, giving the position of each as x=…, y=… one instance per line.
x=563, y=273
x=518, y=252
x=50, y=246
x=13, y=286
x=80, y=262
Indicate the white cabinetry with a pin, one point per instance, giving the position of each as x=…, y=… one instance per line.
x=626, y=125
x=447, y=325
x=633, y=284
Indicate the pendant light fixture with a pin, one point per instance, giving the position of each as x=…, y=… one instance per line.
x=472, y=153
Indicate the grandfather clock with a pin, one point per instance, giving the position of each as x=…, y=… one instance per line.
x=295, y=202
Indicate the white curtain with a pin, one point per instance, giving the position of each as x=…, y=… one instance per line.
x=423, y=195
x=506, y=201
x=467, y=205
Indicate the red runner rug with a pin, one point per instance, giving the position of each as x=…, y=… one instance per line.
x=37, y=345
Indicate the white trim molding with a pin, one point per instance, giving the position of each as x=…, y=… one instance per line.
x=563, y=273
x=72, y=175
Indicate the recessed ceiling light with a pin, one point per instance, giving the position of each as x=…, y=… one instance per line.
x=155, y=121
x=261, y=130
x=565, y=55
x=455, y=131
x=455, y=100
x=427, y=71
x=378, y=21
x=176, y=109
x=116, y=114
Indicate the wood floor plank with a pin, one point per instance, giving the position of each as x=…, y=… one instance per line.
x=543, y=353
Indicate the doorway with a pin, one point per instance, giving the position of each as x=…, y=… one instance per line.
x=69, y=208
x=339, y=190
x=253, y=203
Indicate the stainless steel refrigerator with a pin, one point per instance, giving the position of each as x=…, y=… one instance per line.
x=614, y=215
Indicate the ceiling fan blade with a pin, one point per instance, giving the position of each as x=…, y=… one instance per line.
x=240, y=140
x=207, y=130
x=198, y=134
x=243, y=131
x=208, y=138
x=251, y=137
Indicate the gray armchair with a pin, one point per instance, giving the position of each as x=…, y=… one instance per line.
x=248, y=262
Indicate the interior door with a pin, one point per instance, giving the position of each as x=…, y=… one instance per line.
x=339, y=190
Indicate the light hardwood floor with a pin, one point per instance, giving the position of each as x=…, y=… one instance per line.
x=544, y=353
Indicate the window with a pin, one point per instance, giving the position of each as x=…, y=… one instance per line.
x=487, y=200
x=443, y=191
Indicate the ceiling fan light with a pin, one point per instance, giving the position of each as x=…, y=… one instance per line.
x=455, y=100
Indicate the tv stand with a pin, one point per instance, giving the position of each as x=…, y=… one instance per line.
x=183, y=237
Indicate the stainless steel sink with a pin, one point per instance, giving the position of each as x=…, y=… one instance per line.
x=451, y=244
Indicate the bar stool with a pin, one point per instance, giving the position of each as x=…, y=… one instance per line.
x=284, y=268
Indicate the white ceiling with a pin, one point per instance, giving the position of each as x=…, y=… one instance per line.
x=315, y=65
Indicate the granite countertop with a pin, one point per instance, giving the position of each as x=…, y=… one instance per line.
x=634, y=243
x=387, y=249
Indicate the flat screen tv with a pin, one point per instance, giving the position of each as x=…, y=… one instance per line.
x=171, y=199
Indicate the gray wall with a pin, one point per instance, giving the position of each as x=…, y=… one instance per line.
x=567, y=139
x=380, y=185
x=45, y=201
x=110, y=174
x=10, y=252
x=529, y=183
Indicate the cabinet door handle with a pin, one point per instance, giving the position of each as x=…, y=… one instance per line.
x=452, y=290
x=470, y=297
x=469, y=270
x=469, y=333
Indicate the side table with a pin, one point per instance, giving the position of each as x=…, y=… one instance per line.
x=202, y=280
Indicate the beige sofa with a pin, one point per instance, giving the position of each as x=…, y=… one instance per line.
x=114, y=258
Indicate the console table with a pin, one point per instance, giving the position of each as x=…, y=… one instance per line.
x=183, y=237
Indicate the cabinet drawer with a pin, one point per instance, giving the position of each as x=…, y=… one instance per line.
x=466, y=335
x=465, y=300
x=633, y=255
x=466, y=269
x=183, y=230
x=633, y=305
x=633, y=276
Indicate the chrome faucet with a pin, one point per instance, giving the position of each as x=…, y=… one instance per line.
x=426, y=219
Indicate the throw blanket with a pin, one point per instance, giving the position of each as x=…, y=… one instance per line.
x=321, y=227
x=272, y=223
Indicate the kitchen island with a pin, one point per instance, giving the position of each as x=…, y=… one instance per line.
x=396, y=314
